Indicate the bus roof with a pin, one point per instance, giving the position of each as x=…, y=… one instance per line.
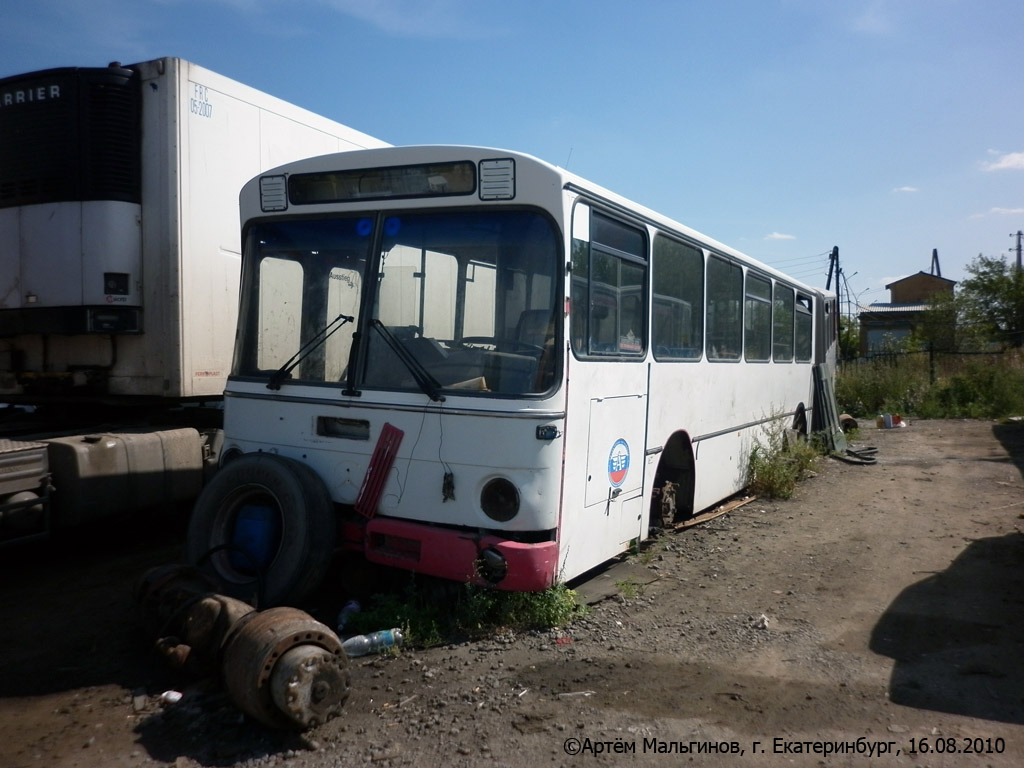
x=423, y=153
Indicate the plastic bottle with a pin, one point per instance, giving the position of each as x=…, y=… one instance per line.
x=352, y=606
x=360, y=645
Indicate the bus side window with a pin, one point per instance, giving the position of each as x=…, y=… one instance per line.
x=608, y=295
x=804, y=327
x=758, y=319
x=725, y=309
x=677, y=326
x=782, y=327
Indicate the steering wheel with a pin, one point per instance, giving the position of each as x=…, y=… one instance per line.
x=502, y=345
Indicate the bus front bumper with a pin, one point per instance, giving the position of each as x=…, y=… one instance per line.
x=461, y=556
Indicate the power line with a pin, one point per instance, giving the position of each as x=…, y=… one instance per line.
x=806, y=275
x=803, y=273
x=803, y=259
x=807, y=269
x=797, y=258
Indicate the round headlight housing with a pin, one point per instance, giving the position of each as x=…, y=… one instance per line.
x=500, y=500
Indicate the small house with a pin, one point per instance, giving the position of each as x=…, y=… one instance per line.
x=885, y=323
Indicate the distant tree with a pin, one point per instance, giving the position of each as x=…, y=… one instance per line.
x=939, y=328
x=849, y=338
x=991, y=300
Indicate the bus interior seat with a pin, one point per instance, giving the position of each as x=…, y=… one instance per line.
x=534, y=327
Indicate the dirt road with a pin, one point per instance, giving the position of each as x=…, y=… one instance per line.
x=880, y=610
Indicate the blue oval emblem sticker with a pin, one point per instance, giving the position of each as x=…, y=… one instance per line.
x=618, y=463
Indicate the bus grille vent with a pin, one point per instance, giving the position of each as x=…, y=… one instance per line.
x=273, y=193
x=497, y=179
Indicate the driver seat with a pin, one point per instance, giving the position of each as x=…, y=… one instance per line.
x=534, y=327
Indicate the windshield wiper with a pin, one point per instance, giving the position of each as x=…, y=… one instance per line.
x=420, y=374
x=278, y=376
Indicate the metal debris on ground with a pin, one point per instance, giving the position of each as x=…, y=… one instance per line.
x=280, y=666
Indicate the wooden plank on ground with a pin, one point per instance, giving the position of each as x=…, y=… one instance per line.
x=605, y=584
x=711, y=514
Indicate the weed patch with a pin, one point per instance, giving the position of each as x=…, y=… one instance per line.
x=629, y=588
x=777, y=464
x=431, y=613
x=944, y=387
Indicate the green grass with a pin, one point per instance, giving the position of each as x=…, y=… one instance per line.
x=629, y=587
x=431, y=613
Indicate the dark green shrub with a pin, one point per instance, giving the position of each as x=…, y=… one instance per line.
x=947, y=386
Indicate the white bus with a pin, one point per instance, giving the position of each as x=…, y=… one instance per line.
x=469, y=363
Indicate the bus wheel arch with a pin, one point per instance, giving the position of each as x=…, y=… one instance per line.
x=299, y=525
x=674, y=482
x=800, y=421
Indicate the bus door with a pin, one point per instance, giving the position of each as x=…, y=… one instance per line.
x=615, y=466
x=609, y=376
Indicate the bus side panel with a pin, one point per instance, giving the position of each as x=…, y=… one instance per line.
x=724, y=408
x=603, y=506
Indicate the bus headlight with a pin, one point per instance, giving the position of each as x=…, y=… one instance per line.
x=500, y=500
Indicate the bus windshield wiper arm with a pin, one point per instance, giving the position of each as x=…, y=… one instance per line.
x=420, y=374
x=278, y=376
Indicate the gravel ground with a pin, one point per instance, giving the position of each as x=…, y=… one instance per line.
x=881, y=604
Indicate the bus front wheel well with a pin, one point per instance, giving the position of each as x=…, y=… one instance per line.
x=672, y=498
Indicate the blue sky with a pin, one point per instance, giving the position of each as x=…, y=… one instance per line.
x=781, y=127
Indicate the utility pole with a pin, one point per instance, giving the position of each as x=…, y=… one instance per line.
x=839, y=290
x=833, y=265
x=1019, y=236
x=835, y=269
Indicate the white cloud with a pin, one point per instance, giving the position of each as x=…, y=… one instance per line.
x=1007, y=161
x=875, y=19
x=414, y=18
x=779, y=236
x=999, y=212
x=904, y=189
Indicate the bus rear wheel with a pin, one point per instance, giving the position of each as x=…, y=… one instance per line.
x=672, y=499
x=265, y=527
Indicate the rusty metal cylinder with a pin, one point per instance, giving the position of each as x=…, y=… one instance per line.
x=189, y=621
x=280, y=666
x=286, y=669
x=163, y=592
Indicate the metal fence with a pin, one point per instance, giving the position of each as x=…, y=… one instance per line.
x=935, y=364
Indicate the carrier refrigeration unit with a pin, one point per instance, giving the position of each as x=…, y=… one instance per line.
x=119, y=252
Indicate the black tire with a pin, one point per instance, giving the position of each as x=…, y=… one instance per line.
x=307, y=521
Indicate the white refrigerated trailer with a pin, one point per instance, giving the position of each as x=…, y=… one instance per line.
x=119, y=246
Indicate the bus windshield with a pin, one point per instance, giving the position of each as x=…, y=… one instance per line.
x=468, y=297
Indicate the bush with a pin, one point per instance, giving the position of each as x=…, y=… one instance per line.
x=976, y=394
x=777, y=464
x=952, y=386
x=882, y=386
